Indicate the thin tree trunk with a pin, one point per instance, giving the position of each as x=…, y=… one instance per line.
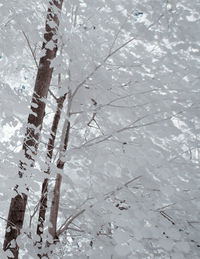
x=56, y=192
x=35, y=119
x=50, y=147
x=60, y=165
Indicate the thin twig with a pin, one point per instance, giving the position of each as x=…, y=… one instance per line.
x=100, y=65
x=29, y=45
x=100, y=139
x=167, y=217
x=34, y=58
x=134, y=179
x=76, y=229
x=119, y=188
x=65, y=227
x=166, y=206
x=69, y=220
x=52, y=94
x=34, y=212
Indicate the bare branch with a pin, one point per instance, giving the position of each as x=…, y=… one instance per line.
x=32, y=51
x=76, y=229
x=131, y=126
x=70, y=219
x=182, y=153
x=9, y=222
x=132, y=180
x=101, y=64
x=119, y=31
x=166, y=206
x=100, y=139
x=52, y=94
x=167, y=217
x=97, y=125
x=119, y=188
x=100, y=106
x=93, y=116
x=34, y=212
x=110, y=54
x=65, y=227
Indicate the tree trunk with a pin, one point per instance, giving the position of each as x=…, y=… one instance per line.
x=56, y=192
x=50, y=147
x=35, y=119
